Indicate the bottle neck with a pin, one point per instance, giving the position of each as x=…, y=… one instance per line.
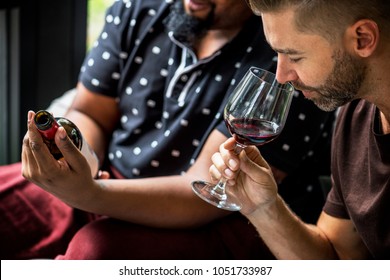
x=46, y=124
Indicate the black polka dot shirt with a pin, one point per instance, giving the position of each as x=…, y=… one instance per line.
x=169, y=99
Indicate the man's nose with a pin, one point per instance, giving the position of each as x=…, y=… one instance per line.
x=284, y=71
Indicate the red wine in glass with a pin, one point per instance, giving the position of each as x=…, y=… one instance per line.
x=253, y=131
x=255, y=114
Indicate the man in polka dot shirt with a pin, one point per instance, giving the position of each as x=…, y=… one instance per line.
x=150, y=101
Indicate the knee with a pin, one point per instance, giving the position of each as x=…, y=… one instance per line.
x=91, y=242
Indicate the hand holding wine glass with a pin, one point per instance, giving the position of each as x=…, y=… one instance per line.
x=255, y=114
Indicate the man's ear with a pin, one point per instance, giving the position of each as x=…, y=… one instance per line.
x=365, y=37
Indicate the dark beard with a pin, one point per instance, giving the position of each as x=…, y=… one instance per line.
x=342, y=85
x=185, y=28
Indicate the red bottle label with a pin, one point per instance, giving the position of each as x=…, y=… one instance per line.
x=49, y=133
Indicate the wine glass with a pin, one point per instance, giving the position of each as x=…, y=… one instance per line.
x=255, y=115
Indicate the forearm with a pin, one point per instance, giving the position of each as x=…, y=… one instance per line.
x=287, y=236
x=92, y=133
x=166, y=202
x=96, y=116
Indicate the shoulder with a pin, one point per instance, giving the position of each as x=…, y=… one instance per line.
x=356, y=108
x=136, y=8
x=354, y=116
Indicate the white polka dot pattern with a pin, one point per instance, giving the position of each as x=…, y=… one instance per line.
x=169, y=100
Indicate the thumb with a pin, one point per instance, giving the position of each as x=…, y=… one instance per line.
x=70, y=152
x=103, y=175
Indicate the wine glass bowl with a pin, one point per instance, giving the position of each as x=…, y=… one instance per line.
x=255, y=114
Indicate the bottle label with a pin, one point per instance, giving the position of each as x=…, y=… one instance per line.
x=91, y=157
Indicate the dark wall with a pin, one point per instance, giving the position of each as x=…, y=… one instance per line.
x=50, y=47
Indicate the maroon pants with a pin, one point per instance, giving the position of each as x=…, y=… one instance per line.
x=35, y=224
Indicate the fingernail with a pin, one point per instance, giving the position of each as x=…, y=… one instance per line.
x=62, y=133
x=29, y=116
x=232, y=163
x=228, y=173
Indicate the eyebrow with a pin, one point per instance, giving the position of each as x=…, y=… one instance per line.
x=287, y=51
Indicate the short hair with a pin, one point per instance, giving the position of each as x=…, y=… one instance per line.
x=329, y=17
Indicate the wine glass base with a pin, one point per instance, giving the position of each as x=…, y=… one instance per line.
x=206, y=192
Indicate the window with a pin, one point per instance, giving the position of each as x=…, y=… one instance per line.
x=96, y=16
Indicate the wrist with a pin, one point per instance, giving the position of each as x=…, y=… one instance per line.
x=267, y=212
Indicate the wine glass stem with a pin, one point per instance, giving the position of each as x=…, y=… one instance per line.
x=219, y=189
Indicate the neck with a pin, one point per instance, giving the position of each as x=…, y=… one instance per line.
x=213, y=41
x=385, y=124
x=378, y=90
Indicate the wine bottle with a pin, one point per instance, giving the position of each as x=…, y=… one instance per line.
x=47, y=125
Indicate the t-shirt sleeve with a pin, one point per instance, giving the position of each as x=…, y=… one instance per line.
x=334, y=205
x=223, y=129
x=100, y=71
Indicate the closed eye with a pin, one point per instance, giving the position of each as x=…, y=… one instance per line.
x=294, y=56
x=295, y=59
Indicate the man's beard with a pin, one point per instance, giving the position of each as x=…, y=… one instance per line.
x=342, y=85
x=187, y=29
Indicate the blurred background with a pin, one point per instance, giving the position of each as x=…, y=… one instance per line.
x=95, y=18
x=42, y=46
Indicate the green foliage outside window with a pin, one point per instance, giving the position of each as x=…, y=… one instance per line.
x=96, y=15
